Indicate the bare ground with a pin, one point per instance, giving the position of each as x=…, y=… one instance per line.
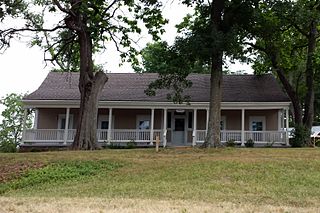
x=68, y=205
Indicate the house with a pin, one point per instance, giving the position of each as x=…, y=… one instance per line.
x=253, y=107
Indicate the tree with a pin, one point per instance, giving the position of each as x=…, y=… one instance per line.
x=84, y=28
x=286, y=35
x=12, y=123
x=213, y=32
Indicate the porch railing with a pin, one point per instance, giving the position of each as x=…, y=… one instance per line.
x=126, y=135
x=257, y=136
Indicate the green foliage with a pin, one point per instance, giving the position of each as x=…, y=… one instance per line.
x=106, y=22
x=131, y=144
x=59, y=172
x=249, y=143
x=231, y=143
x=11, y=8
x=300, y=136
x=12, y=122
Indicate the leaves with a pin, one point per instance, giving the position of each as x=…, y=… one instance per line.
x=12, y=122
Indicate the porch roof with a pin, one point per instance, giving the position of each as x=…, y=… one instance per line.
x=131, y=87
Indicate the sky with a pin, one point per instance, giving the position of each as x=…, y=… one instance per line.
x=23, y=68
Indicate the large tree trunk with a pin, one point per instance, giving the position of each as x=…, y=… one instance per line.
x=90, y=86
x=213, y=134
x=86, y=135
x=309, y=99
x=297, y=110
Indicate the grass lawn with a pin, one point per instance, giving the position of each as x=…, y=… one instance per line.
x=177, y=180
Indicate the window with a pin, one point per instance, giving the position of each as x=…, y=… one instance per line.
x=190, y=119
x=223, y=123
x=104, y=124
x=257, y=123
x=144, y=124
x=62, y=121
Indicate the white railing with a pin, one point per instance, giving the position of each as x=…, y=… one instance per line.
x=256, y=136
x=102, y=135
x=71, y=134
x=126, y=135
x=44, y=135
x=227, y=135
x=200, y=135
x=266, y=136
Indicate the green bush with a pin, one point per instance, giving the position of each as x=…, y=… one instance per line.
x=300, y=136
x=249, y=143
x=317, y=143
x=8, y=146
x=131, y=144
x=231, y=143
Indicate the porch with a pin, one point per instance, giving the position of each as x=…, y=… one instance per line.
x=183, y=126
x=56, y=137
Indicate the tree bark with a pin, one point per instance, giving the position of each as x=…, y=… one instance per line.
x=213, y=134
x=309, y=99
x=90, y=83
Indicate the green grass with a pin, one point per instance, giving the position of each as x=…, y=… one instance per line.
x=256, y=176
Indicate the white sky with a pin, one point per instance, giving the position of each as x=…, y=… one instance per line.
x=23, y=68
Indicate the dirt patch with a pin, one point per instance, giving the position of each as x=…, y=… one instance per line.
x=61, y=205
x=12, y=171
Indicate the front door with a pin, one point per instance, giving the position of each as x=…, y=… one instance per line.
x=178, y=132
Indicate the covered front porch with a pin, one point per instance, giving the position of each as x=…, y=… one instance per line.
x=175, y=125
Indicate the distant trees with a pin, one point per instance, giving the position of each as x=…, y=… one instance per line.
x=11, y=125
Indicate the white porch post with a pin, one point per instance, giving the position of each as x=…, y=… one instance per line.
x=207, y=121
x=282, y=118
x=287, y=126
x=66, y=126
x=24, y=125
x=194, y=134
x=164, y=127
x=151, y=126
x=109, y=125
x=36, y=115
x=242, y=126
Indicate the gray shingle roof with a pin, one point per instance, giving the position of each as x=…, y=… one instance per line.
x=131, y=86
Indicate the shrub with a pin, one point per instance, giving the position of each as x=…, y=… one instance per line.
x=300, y=136
x=317, y=143
x=8, y=146
x=231, y=143
x=249, y=143
x=131, y=144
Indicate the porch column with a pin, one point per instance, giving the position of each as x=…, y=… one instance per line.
x=66, y=127
x=287, y=126
x=194, y=134
x=151, y=126
x=25, y=111
x=207, y=120
x=109, y=126
x=164, y=127
x=242, y=126
x=282, y=118
x=36, y=115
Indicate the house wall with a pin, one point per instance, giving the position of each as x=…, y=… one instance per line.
x=126, y=118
